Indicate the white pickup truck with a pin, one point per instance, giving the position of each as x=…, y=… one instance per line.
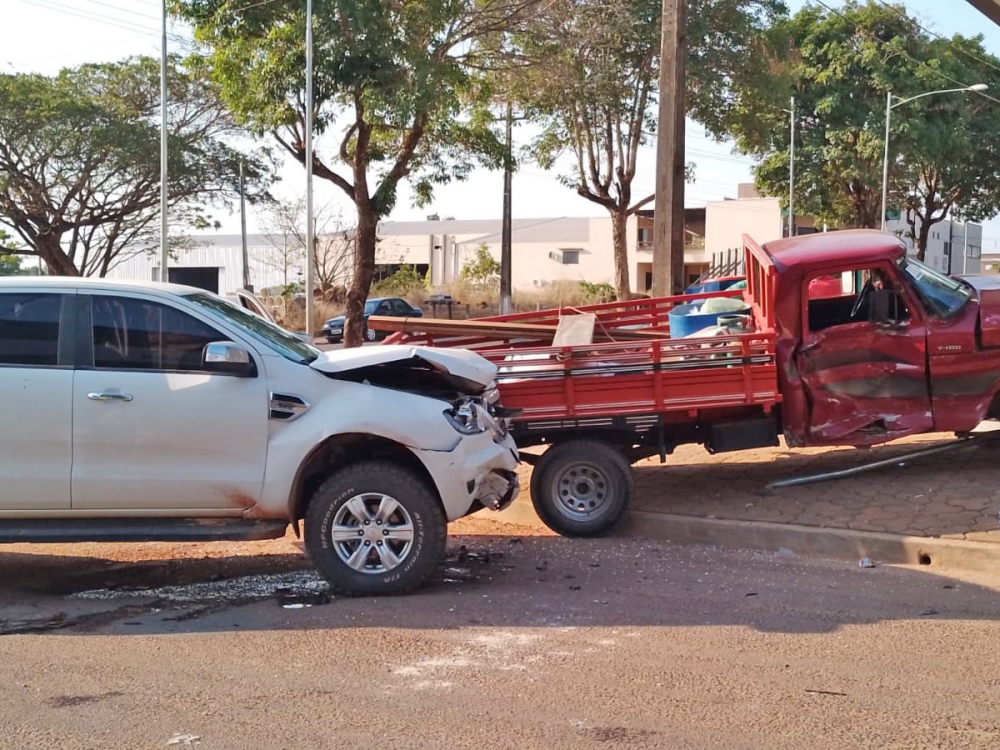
x=153, y=412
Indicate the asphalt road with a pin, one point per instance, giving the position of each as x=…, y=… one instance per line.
x=520, y=642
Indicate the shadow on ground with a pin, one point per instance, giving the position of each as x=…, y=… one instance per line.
x=495, y=581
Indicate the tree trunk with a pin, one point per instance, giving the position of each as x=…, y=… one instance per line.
x=49, y=248
x=922, y=236
x=364, y=270
x=619, y=224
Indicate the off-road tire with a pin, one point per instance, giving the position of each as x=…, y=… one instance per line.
x=607, y=461
x=430, y=528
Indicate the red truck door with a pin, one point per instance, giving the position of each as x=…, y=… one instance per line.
x=863, y=361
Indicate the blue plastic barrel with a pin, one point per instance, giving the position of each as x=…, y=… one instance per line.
x=683, y=322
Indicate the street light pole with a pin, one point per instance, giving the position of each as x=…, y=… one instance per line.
x=310, y=229
x=889, y=106
x=885, y=156
x=164, y=254
x=791, y=173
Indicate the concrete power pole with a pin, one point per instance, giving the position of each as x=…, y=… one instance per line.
x=505, y=235
x=668, y=220
x=243, y=230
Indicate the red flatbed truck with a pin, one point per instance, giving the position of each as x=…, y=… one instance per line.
x=903, y=349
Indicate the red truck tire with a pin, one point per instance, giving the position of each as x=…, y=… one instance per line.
x=581, y=487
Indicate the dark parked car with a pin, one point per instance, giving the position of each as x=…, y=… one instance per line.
x=333, y=329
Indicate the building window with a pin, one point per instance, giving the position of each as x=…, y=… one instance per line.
x=645, y=236
x=974, y=251
x=571, y=257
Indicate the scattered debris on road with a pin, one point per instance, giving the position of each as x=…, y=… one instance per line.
x=826, y=692
x=186, y=740
x=867, y=562
x=244, y=588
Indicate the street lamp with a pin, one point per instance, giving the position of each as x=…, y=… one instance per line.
x=889, y=106
x=791, y=170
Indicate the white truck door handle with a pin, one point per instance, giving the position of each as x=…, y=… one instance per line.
x=106, y=396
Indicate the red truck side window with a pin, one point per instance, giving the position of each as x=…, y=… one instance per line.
x=841, y=298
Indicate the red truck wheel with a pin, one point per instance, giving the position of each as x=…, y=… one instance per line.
x=581, y=488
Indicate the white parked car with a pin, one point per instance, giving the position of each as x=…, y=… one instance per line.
x=153, y=412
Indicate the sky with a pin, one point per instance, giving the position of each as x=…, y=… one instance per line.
x=44, y=36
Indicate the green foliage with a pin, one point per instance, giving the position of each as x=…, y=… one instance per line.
x=399, y=93
x=288, y=291
x=840, y=66
x=406, y=280
x=483, y=269
x=592, y=86
x=599, y=292
x=10, y=265
x=80, y=160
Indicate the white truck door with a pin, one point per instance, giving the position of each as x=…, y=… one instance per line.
x=36, y=411
x=154, y=432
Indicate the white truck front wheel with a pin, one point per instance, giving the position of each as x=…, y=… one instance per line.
x=375, y=528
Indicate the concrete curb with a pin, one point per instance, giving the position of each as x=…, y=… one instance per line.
x=838, y=544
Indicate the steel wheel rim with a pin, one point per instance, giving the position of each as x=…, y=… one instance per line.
x=581, y=491
x=372, y=533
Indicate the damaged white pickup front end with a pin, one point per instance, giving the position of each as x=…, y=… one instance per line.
x=430, y=394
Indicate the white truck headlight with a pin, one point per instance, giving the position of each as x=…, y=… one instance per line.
x=464, y=417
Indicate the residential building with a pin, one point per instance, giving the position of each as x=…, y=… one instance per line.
x=953, y=247
x=990, y=263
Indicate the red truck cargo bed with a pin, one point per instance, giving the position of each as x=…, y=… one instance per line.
x=677, y=379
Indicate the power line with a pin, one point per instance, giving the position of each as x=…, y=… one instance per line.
x=120, y=23
x=87, y=17
x=939, y=37
x=912, y=59
x=123, y=10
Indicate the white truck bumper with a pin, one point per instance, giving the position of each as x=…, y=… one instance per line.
x=481, y=470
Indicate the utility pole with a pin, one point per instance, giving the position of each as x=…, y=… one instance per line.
x=164, y=230
x=310, y=229
x=243, y=231
x=668, y=219
x=505, y=234
x=791, y=174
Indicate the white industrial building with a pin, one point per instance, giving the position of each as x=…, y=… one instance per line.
x=544, y=250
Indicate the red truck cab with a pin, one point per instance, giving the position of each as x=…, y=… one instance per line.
x=903, y=349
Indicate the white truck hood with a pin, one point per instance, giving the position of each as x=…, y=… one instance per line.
x=459, y=363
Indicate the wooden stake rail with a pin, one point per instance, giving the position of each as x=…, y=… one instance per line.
x=501, y=329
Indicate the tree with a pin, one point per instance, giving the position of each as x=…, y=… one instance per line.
x=591, y=82
x=840, y=66
x=333, y=242
x=80, y=154
x=483, y=269
x=397, y=95
x=10, y=263
x=950, y=149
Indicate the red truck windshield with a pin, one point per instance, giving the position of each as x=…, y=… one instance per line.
x=942, y=296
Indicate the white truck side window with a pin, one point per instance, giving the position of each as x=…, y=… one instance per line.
x=29, y=329
x=134, y=334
